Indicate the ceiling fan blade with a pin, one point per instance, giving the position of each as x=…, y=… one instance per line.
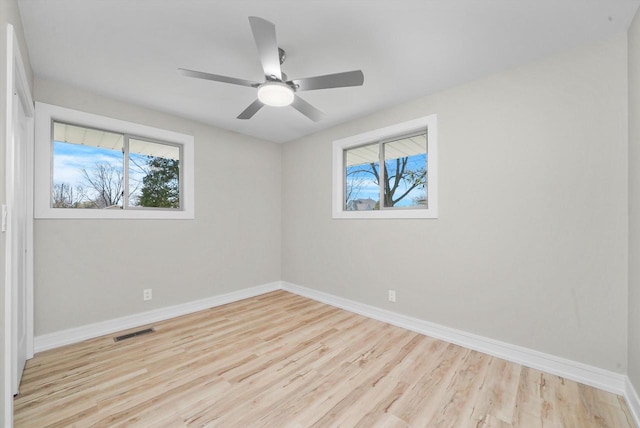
x=264, y=33
x=251, y=110
x=218, y=78
x=307, y=109
x=338, y=80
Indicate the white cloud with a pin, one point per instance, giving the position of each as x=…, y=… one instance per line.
x=68, y=168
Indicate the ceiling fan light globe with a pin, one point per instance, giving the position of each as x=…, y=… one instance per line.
x=275, y=94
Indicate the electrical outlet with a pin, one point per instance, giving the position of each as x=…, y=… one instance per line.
x=147, y=294
x=392, y=296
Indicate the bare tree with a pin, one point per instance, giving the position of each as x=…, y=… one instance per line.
x=66, y=196
x=353, y=186
x=404, y=178
x=107, y=181
x=411, y=178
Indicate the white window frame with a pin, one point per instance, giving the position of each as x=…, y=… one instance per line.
x=47, y=113
x=428, y=123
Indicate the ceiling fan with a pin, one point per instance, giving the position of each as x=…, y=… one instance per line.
x=276, y=90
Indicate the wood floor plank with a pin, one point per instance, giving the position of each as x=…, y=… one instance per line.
x=498, y=398
x=456, y=406
x=281, y=360
x=420, y=401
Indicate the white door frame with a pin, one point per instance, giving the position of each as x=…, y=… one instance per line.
x=16, y=83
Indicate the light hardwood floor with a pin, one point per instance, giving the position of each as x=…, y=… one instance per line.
x=281, y=360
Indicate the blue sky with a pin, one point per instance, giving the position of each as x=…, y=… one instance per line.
x=367, y=188
x=69, y=160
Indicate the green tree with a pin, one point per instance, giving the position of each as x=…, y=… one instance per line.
x=161, y=184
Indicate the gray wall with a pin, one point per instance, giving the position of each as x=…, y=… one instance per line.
x=531, y=244
x=94, y=270
x=9, y=14
x=634, y=202
x=534, y=244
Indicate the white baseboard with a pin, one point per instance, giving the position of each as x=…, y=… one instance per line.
x=589, y=375
x=633, y=401
x=573, y=370
x=78, y=334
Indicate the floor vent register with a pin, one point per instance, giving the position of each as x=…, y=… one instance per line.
x=134, y=334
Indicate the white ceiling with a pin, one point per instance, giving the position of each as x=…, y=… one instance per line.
x=131, y=49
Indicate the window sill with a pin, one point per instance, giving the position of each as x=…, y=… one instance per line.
x=385, y=214
x=147, y=214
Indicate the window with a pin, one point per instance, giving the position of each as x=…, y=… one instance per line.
x=96, y=169
x=387, y=173
x=89, y=166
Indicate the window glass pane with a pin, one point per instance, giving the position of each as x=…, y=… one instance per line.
x=362, y=184
x=405, y=178
x=87, y=167
x=154, y=174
